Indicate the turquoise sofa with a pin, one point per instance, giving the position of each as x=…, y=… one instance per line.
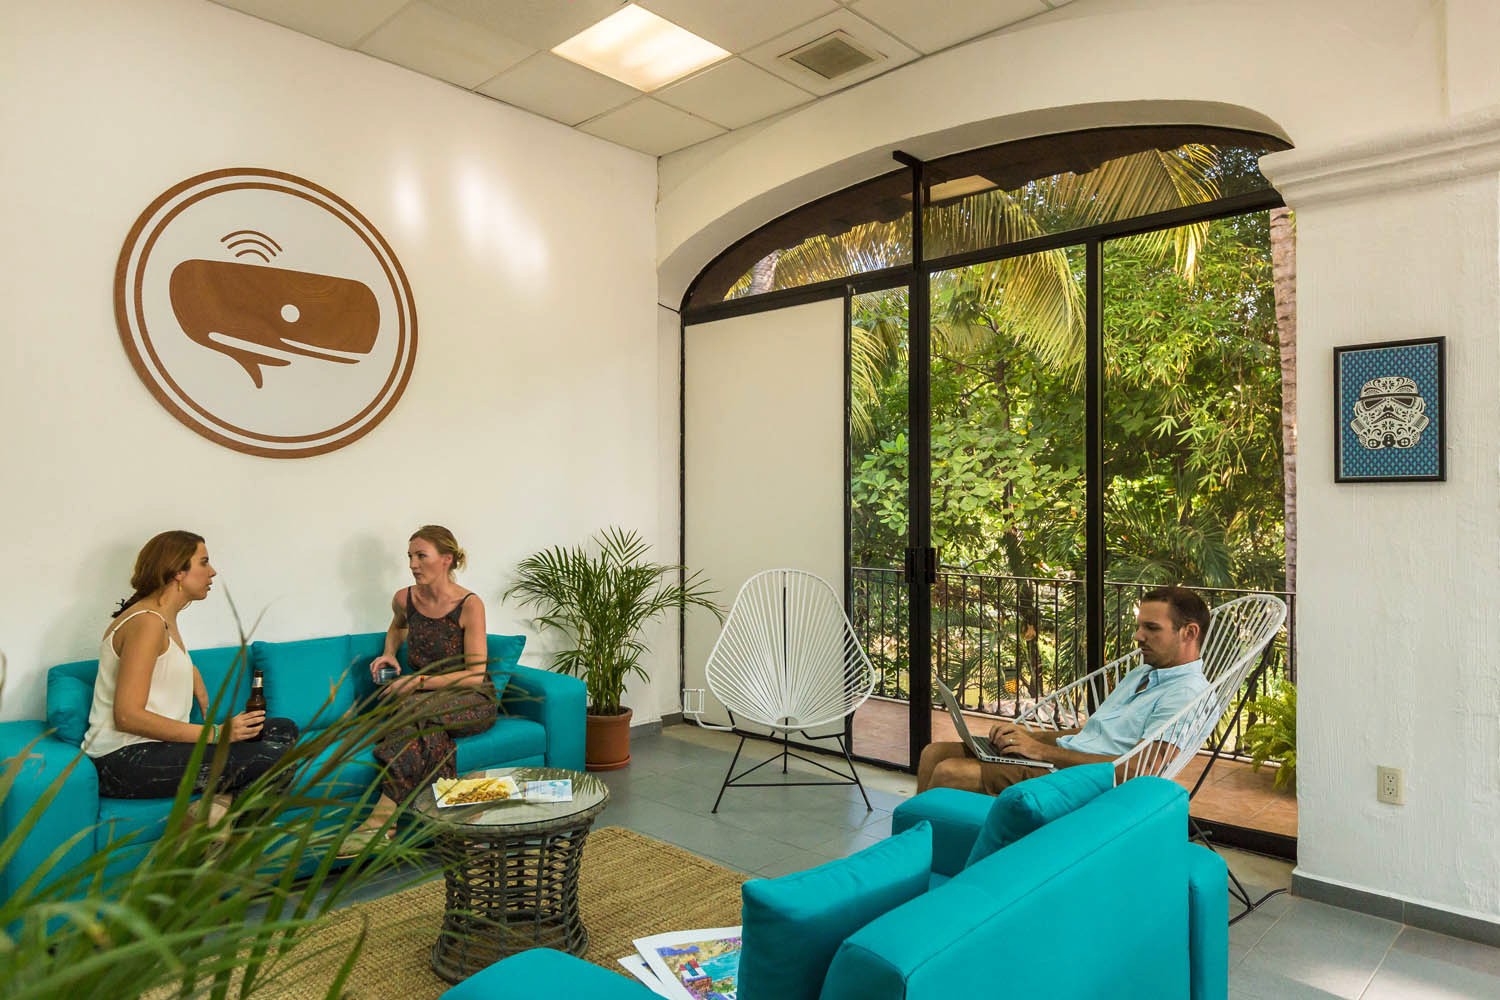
x=1106, y=900
x=312, y=682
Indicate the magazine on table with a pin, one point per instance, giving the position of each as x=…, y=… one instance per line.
x=689, y=965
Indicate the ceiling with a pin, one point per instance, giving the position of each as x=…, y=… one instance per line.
x=500, y=49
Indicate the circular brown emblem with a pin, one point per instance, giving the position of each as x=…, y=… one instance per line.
x=265, y=312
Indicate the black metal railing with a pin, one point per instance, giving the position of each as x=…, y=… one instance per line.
x=1002, y=642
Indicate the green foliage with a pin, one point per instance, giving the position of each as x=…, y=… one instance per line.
x=600, y=602
x=1273, y=735
x=204, y=912
x=1192, y=420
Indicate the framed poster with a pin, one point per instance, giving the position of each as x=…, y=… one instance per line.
x=1388, y=412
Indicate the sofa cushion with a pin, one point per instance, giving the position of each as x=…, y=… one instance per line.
x=509, y=742
x=307, y=681
x=354, y=775
x=70, y=695
x=504, y=652
x=226, y=677
x=119, y=818
x=794, y=924
x=1032, y=804
x=543, y=972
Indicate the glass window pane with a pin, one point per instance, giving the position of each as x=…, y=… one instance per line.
x=1194, y=479
x=861, y=229
x=973, y=206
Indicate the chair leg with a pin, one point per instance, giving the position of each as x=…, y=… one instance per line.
x=727, y=774
x=855, y=774
x=1237, y=888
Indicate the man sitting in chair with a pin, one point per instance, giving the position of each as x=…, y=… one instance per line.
x=1170, y=625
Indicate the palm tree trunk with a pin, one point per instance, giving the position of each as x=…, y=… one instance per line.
x=1284, y=283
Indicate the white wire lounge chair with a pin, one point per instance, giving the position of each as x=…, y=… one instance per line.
x=1238, y=631
x=787, y=660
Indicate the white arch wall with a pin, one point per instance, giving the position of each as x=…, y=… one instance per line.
x=1396, y=181
x=1320, y=74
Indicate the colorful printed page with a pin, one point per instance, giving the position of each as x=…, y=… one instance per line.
x=637, y=967
x=695, y=965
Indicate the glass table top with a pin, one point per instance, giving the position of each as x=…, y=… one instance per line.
x=589, y=795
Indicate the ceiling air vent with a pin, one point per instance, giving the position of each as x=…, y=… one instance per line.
x=832, y=56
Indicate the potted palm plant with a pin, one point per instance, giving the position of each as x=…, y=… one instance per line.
x=600, y=600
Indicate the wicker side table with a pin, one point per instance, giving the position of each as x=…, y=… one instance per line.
x=512, y=873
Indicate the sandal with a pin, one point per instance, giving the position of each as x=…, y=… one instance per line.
x=359, y=839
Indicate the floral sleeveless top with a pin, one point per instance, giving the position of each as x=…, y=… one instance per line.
x=431, y=639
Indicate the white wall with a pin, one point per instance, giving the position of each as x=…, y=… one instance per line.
x=533, y=416
x=1321, y=73
x=1397, y=213
x=1398, y=582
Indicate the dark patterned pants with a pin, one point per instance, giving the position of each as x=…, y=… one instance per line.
x=153, y=770
x=423, y=750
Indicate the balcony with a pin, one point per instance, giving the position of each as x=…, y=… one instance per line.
x=1001, y=642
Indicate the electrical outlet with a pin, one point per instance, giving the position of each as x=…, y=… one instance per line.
x=1390, y=785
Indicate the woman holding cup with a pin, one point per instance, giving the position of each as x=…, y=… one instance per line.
x=449, y=689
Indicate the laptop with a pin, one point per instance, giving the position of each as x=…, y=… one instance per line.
x=980, y=746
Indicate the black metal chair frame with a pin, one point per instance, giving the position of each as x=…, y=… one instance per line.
x=1196, y=831
x=732, y=780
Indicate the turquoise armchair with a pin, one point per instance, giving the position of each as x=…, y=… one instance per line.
x=1107, y=900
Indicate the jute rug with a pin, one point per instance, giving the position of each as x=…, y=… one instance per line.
x=630, y=885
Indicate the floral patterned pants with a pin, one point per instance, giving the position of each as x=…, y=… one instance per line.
x=423, y=750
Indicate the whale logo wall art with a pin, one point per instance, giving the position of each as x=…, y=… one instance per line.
x=265, y=313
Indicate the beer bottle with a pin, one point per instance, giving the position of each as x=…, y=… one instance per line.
x=257, y=702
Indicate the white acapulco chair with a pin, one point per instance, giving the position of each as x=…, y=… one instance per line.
x=787, y=660
x=1238, y=631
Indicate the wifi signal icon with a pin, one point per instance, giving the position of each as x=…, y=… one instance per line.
x=249, y=243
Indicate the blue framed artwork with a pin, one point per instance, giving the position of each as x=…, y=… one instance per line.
x=1389, y=413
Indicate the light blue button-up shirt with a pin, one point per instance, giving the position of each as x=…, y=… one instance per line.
x=1125, y=717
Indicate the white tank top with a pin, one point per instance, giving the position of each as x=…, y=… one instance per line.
x=171, y=693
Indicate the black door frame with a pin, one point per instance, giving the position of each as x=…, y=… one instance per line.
x=921, y=559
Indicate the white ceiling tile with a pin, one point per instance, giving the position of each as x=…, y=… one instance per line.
x=559, y=89
x=342, y=22
x=440, y=44
x=651, y=127
x=733, y=93
x=540, y=24
x=737, y=25
x=936, y=25
x=894, y=51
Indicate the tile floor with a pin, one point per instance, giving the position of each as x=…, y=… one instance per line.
x=1289, y=949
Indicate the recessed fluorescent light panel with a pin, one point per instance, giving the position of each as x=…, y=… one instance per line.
x=638, y=48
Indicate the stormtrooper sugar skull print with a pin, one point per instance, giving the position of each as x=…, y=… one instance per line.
x=1389, y=413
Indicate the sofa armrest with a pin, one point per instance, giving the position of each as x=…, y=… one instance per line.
x=543, y=972
x=559, y=703
x=1208, y=924
x=74, y=810
x=956, y=819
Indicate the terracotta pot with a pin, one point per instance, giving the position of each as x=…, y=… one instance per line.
x=607, y=741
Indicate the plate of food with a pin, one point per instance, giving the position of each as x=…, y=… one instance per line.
x=451, y=792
